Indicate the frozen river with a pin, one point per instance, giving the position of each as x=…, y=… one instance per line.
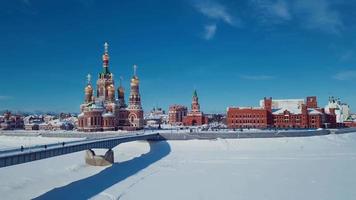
x=320, y=167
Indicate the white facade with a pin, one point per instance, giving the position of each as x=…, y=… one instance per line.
x=342, y=110
x=285, y=103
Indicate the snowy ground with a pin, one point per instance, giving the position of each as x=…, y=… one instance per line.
x=320, y=167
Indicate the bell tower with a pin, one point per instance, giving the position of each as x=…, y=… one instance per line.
x=105, y=82
x=135, y=117
x=135, y=97
x=195, y=102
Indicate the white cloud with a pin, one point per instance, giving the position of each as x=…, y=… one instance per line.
x=310, y=14
x=215, y=11
x=317, y=14
x=210, y=31
x=345, y=75
x=347, y=56
x=272, y=10
x=280, y=9
x=257, y=77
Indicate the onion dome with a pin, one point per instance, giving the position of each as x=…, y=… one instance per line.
x=135, y=81
x=88, y=89
x=121, y=91
x=111, y=92
x=111, y=89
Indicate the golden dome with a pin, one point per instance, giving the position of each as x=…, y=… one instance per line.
x=121, y=90
x=111, y=88
x=135, y=80
x=88, y=89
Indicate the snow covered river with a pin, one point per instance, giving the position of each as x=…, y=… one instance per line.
x=321, y=167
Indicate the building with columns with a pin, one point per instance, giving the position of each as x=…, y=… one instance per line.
x=103, y=111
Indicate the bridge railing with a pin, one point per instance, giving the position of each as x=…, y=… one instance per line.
x=39, y=152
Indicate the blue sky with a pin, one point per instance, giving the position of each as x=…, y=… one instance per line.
x=232, y=52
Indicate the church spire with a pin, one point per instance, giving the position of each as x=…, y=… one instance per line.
x=195, y=102
x=106, y=59
x=135, y=69
x=106, y=47
x=121, y=81
x=88, y=79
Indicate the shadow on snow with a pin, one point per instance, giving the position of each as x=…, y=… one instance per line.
x=93, y=185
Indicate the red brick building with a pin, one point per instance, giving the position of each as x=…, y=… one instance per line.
x=350, y=124
x=282, y=114
x=195, y=117
x=247, y=117
x=176, y=114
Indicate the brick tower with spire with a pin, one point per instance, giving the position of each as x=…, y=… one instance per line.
x=195, y=117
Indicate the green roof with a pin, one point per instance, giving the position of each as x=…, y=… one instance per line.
x=106, y=70
x=195, y=94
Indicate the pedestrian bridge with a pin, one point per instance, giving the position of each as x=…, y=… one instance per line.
x=23, y=155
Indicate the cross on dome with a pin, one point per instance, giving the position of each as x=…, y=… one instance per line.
x=135, y=69
x=89, y=78
x=106, y=47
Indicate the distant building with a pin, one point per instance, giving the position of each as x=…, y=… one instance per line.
x=216, y=118
x=105, y=113
x=60, y=124
x=195, y=117
x=350, y=123
x=32, y=122
x=286, y=113
x=49, y=122
x=156, y=116
x=10, y=122
x=342, y=110
x=176, y=114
